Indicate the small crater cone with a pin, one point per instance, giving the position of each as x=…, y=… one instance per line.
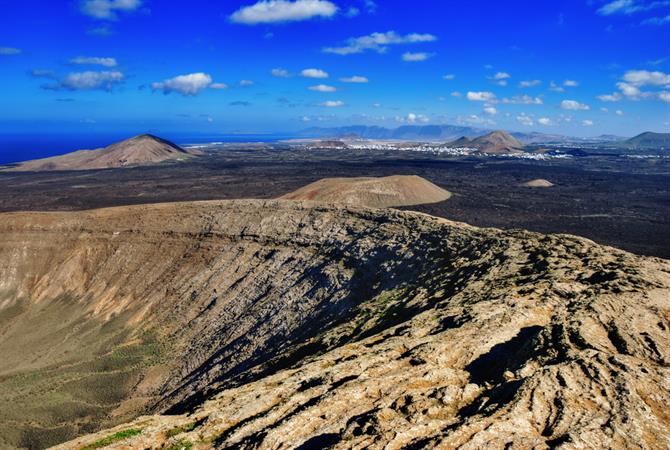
x=538, y=182
x=396, y=190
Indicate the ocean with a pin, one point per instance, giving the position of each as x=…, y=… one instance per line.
x=22, y=147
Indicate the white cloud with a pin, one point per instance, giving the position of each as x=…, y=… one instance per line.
x=614, y=97
x=278, y=11
x=354, y=79
x=107, y=9
x=628, y=7
x=490, y=110
x=629, y=90
x=322, y=88
x=646, y=78
x=314, y=73
x=618, y=112
x=378, y=42
x=280, y=73
x=415, y=57
x=448, y=77
x=523, y=100
x=546, y=121
x=571, y=83
x=87, y=81
x=555, y=87
x=605, y=110
x=574, y=105
x=456, y=94
x=187, y=85
x=529, y=83
x=525, y=120
x=657, y=20
x=664, y=96
x=246, y=83
x=587, y=123
x=474, y=119
x=501, y=76
x=6, y=51
x=481, y=96
x=414, y=118
x=94, y=60
x=352, y=12
x=218, y=86
x=332, y=103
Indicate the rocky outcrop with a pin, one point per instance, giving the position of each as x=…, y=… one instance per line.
x=256, y=324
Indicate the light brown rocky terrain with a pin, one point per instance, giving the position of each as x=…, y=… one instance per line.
x=137, y=151
x=396, y=190
x=260, y=324
x=539, y=182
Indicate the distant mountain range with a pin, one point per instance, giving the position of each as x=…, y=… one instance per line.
x=435, y=133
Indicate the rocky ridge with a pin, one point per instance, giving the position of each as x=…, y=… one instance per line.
x=388, y=328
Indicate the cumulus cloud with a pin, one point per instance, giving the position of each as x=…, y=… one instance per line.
x=187, y=85
x=629, y=90
x=628, y=7
x=546, y=121
x=280, y=73
x=314, y=73
x=278, y=11
x=108, y=9
x=332, y=103
x=481, y=96
x=501, y=76
x=574, y=105
x=86, y=81
x=523, y=100
x=490, y=110
x=414, y=118
x=614, y=97
x=646, y=78
x=587, y=123
x=525, y=120
x=246, y=83
x=322, y=88
x=664, y=96
x=449, y=76
x=8, y=51
x=571, y=83
x=529, y=83
x=474, y=119
x=94, y=61
x=354, y=79
x=218, y=86
x=555, y=87
x=456, y=94
x=378, y=42
x=415, y=57
x=618, y=112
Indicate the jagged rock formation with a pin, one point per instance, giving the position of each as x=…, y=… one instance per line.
x=396, y=190
x=137, y=151
x=267, y=323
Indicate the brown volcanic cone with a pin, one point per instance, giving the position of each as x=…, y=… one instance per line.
x=137, y=151
x=396, y=190
x=497, y=142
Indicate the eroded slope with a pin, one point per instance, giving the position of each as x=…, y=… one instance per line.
x=259, y=324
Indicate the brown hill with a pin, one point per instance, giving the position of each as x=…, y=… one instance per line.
x=496, y=142
x=137, y=151
x=396, y=190
x=271, y=324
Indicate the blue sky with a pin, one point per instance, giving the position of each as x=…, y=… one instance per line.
x=575, y=67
